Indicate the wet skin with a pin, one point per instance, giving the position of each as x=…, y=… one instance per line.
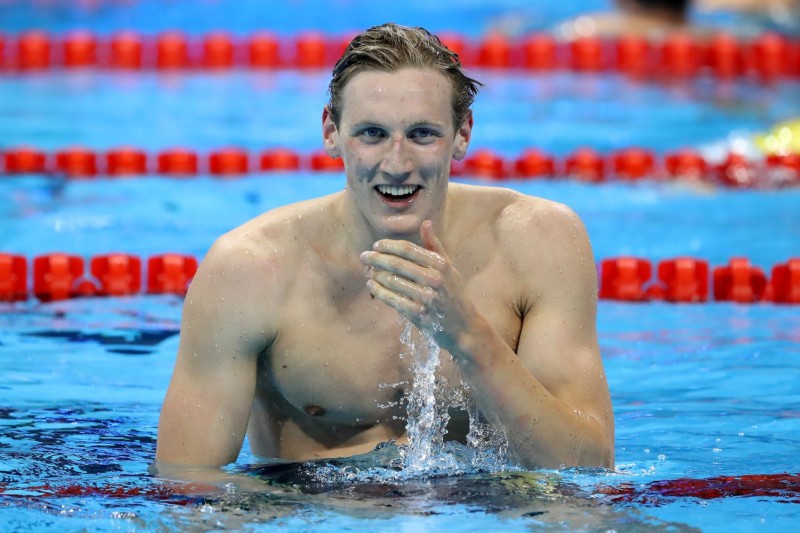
x=290, y=328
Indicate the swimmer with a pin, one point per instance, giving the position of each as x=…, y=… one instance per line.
x=290, y=329
x=653, y=19
x=758, y=16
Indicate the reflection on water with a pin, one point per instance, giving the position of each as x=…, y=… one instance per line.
x=85, y=468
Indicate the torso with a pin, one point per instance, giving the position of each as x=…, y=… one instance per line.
x=332, y=381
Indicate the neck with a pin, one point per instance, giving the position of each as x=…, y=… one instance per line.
x=360, y=235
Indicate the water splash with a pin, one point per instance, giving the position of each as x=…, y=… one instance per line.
x=428, y=404
x=427, y=417
x=428, y=407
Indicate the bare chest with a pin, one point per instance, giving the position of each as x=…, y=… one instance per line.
x=339, y=359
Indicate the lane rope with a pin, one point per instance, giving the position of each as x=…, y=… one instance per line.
x=631, y=164
x=767, y=58
x=60, y=276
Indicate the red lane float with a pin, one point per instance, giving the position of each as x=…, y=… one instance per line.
x=624, y=278
x=170, y=273
x=494, y=52
x=680, y=56
x=632, y=164
x=24, y=160
x=634, y=56
x=587, y=54
x=264, y=51
x=739, y=282
x=118, y=274
x=586, y=164
x=80, y=50
x=76, y=163
x=784, y=169
x=218, y=51
x=172, y=51
x=539, y=52
x=322, y=162
x=33, y=51
x=785, y=486
x=178, y=162
x=684, y=279
x=737, y=171
x=13, y=278
x=279, y=160
x=126, y=51
x=725, y=57
x=229, y=162
x=686, y=164
x=125, y=161
x=458, y=44
x=785, y=282
x=534, y=163
x=771, y=56
x=56, y=276
x=484, y=163
x=311, y=51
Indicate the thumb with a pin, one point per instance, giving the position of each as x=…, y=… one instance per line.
x=429, y=238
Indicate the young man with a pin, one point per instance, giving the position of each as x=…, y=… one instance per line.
x=290, y=328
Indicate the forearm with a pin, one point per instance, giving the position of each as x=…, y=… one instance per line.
x=542, y=430
x=205, y=480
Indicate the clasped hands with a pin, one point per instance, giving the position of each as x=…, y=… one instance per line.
x=422, y=284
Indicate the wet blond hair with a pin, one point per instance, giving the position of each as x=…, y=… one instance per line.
x=391, y=47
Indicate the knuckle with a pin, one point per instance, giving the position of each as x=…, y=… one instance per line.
x=435, y=279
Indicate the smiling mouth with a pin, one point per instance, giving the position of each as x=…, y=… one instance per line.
x=397, y=193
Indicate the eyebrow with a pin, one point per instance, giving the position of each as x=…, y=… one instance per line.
x=413, y=125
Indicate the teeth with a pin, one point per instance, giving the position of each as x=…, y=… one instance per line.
x=396, y=190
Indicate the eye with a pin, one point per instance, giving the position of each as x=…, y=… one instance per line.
x=424, y=134
x=371, y=133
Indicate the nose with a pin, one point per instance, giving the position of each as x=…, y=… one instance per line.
x=397, y=162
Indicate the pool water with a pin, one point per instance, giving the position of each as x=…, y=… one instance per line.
x=705, y=395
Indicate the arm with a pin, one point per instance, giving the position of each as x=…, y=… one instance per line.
x=207, y=406
x=551, y=395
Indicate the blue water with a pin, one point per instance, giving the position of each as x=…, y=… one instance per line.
x=701, y=392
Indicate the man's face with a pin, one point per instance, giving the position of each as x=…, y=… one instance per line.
x=397, y=139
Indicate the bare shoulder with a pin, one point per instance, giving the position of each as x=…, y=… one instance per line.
x=516, y=217
x=541, y=241
x=254, y=264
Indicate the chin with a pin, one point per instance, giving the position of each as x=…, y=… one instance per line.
x=401, y=228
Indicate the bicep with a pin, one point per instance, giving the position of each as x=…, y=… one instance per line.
x=558, y=341
x=207, y=406
x=205, y=414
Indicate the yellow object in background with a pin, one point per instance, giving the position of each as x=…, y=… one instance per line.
x=783, y=139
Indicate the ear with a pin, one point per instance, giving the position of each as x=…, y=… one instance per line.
x=463, y=136
x=330, y=134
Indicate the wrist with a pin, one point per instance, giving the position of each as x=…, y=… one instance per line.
x=475, y=344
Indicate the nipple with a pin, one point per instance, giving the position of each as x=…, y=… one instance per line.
x=314, y=410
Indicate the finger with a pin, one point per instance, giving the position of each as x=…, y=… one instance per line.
x=422, y=275
x=403, y=305
x=413, y=291
x=409, y=251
